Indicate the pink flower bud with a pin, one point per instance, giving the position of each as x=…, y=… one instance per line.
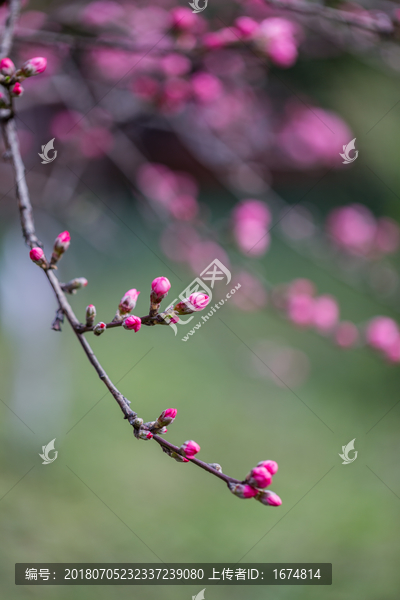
x=99, y=328
x=269, y=498
x=242, y=490
x=160, y=287
x=17, y=90
x=7, y=67
x=128, y=301
x=167, y=417
x=270, y=465
x=259, y=477
x=145, y=435
x=61, y=244
x=37, y=256
x=194, y=303
x=90, y=315
x=34, y=66
x=132, y=322
x=190, y=448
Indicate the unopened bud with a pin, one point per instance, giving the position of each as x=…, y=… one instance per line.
x=259, y=477
x=190, y=448
x=242, y=490
x=34, y=66
x=132, y=323
x=145, y=435
x=194, y=303
x=17, y=90
x=99, y=328
x=270, y=465
x=138, y=422
x=162, y=431
x=159, y=289
x=75, y=284
x=37, y=256
x=178, y=457
x=7, y=68
x=167, y=417
x=216, y=466
x=269, y=498
x=61, y=244
x=128, y=302
x=90, y=315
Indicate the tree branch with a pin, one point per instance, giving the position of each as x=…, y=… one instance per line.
x=28, y=230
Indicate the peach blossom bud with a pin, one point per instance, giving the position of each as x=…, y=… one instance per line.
x=37, y=256
x=160, y=287
x=178, y=457
x=61, y=244
x=269, y=498
x=17, y=90
x=259, y=477
x=34, y=66
x=132, y=323
x=162, y=431
x=99, y=328
x=128, y=301
x=242, y=490
x=74, y=284
x=145, y=435
x=167, y=417
x=194, y=303
x=90, y=315
x=7, y=67
x=138, y=422
x=270, y=465
x=190, y=448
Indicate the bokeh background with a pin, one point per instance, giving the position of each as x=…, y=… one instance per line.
x=250, y=384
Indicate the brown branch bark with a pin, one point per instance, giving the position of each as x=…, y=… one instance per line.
x=28, y=230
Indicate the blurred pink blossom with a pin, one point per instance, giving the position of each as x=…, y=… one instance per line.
x=353, y=228
x=382, y=333
x=311, y=136
x=325, y=313
x=300, y=309
x=206, y=87
x=250, y=221
x=101, y=13
x=346, y=334
x=387, y=238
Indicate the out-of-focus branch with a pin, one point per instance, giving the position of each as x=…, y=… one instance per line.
x=15, y=7
x=381, y=24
